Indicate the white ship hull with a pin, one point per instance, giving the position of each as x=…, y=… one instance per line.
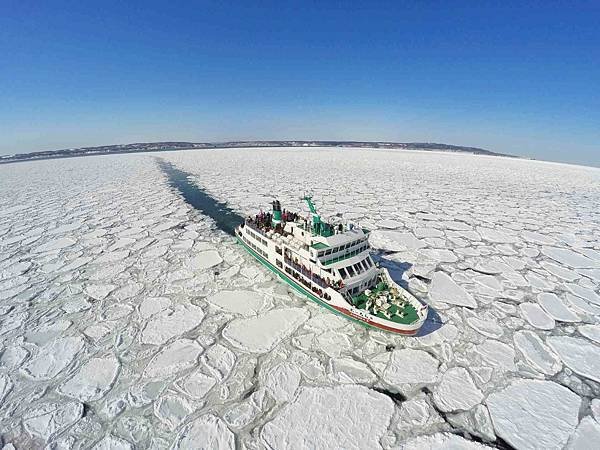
x=264, y=248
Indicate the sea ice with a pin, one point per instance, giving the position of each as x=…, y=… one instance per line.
x=281, y=381
x=389, y=223
x=93, y=379
x=220, y=359
x=172, y=410
x=261, y=333
x=578, y=354
x=456, y=391
x=488, y=328
x=13, y=356
x=347, y=370
x=440, y=441
x=555, y=307
x=57, y=244
x=239, y=302
x=128, y=291
x=198, y=384
x=537, y=238
x=534, y=414
x=153, y=305
x=568, y=257
x=411, y=366
x=206, y=432
x=585, y=293
x=177, y=356
x=444, y=289
x=536, y=316
x=53, y=357
x=6, y=386
x=591, y=332
x=169, y=324
x=334, y=344
x=495, y=236
x=499, y=355
x=205, y=260
x=586, y=436
x=394, y=241
x=560, y=271
x=84, y=242
x=536, y=352
x=50, y=419
x=366, y=416
x=99, y=291
x=110, y=442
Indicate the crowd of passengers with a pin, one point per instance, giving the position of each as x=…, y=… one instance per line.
x=321, y=281
x=315, y=289
x=264, y=220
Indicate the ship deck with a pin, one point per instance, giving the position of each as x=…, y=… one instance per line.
x=383, y=303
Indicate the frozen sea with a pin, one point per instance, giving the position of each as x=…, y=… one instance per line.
x=129, y=320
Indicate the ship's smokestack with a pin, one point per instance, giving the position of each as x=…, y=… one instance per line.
x=276, y=212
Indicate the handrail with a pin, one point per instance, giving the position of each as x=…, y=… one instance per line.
x=308, y=274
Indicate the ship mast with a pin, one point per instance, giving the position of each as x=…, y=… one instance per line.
x=318, y=226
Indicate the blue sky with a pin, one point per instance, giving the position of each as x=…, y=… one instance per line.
x=510, y=77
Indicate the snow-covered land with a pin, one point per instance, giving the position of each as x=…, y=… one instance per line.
x=128, y=320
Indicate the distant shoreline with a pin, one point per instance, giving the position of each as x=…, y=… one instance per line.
x=144, y=147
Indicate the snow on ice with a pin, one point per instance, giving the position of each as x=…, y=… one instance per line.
x=580, y=355
x=534, y=414
x=128, y=320
x=364, y=416
x=261, y=333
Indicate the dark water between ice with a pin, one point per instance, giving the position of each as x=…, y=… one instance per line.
x=225, y=218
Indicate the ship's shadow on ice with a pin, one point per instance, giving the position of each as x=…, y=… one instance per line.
x=225, y=218
x=397, y=270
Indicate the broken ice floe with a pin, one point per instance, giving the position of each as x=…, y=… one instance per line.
x=534, y=414
x=93, y=379
x=580, y=355
x=261, y=333
x=118, y=298
x=366, y=415
x=53, y=357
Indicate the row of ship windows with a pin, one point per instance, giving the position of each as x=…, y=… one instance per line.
x=251, y=244
x=341, y=247
x=345, y=255
x=258, y=238
x=355, y=269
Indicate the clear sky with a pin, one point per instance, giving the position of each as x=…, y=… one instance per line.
x=521, y=78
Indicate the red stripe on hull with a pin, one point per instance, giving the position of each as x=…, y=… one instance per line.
x=375, y=324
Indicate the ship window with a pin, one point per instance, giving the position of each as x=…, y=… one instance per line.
x=321, y=253
x=350, y=271
x=358, y=268
x=328, y=252
x=343, y=273
x=279, y=264
x=365, y=265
